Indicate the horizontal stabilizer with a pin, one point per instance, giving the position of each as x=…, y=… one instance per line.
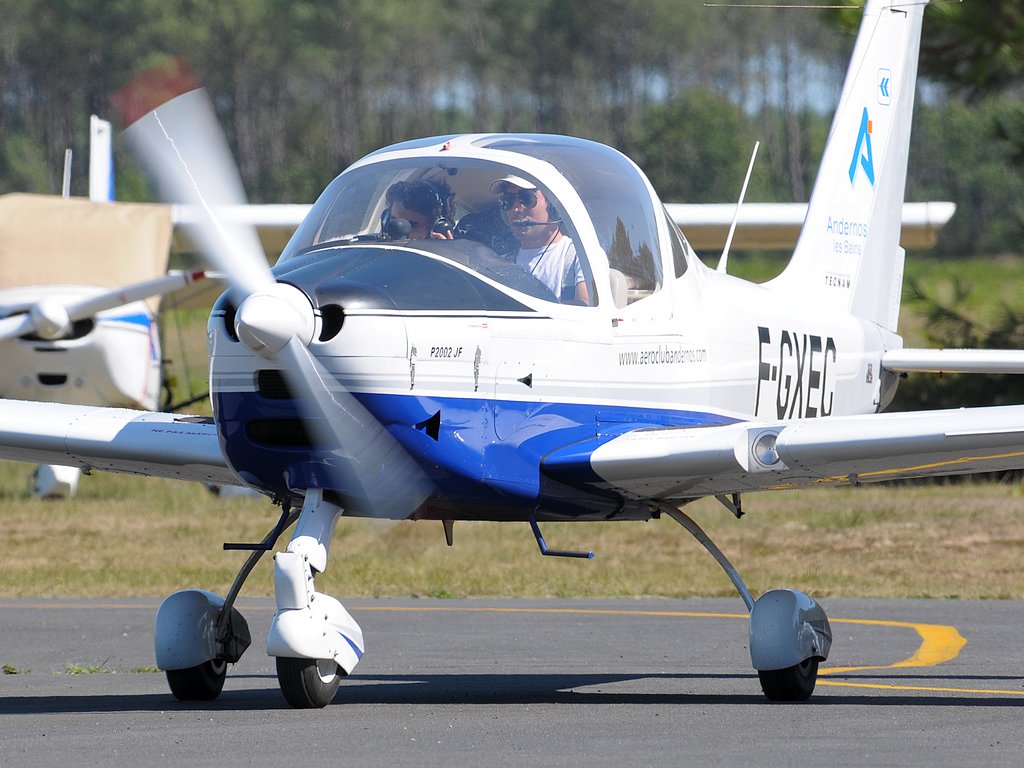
x=954, y=361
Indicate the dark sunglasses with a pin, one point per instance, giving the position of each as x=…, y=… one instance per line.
x=527, y=197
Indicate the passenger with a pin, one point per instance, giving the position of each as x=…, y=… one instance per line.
x=428, y=207
x=544, y=251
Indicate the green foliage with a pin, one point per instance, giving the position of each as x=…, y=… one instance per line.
x=696, y=147
x=305, y=87
x=23, y=166
x=956, y=156
x=978, y=46
x=971, y=306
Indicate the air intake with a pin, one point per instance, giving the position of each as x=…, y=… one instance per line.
x=271, y=385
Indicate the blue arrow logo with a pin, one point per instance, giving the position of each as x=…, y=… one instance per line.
x=862, y=151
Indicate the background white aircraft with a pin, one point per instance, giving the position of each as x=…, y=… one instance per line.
x=80, y=280
x=373, y=375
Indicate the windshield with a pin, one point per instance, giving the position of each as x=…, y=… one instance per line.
x=545, y=224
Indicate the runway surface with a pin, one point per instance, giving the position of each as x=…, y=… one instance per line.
x=516, y=682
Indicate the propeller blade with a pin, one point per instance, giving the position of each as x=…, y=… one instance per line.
x=181, y=145
x=380, y=479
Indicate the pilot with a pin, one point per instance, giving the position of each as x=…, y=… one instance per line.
x=544, y=251
x=427, y=206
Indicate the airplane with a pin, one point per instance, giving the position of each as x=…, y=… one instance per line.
x=79, y=281
x=373, y=375
x=111, y=355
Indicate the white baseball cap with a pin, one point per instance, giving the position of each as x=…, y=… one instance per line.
x=516, y=181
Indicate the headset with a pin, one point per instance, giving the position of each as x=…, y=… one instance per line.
x=389, y=225
x=554, y=217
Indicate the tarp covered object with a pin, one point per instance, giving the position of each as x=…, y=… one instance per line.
x=47, y=240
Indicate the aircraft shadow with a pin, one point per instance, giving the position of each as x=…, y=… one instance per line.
x=563, y=689
x=498, y=689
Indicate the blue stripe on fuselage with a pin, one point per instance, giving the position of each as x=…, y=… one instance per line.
x=486, y=459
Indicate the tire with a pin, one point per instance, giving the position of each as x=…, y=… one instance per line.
x=202, y=683
x=308, y=683
x=794, y=683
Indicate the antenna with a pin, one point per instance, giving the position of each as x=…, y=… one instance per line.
x=65, y=188
x=723, y=261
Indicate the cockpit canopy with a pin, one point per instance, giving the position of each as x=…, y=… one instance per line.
x=598, y=198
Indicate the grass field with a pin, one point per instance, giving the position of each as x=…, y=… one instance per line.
x=124, y=536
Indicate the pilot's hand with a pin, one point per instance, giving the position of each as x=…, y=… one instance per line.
x=447, y=235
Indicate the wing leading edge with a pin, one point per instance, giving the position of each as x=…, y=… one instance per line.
x=682, y=463
x=114, y=440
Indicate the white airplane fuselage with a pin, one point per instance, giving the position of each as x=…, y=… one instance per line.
x=481, y=397
x=112, y=360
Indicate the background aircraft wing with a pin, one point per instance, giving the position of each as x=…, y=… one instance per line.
x=678, y=463
x=769, y=226
x=114, y=440
x=776, y=226
x=274, y=223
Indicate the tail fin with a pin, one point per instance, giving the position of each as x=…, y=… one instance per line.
x=101, y=160
x=848, y=253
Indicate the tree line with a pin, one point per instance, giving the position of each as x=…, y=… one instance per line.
x=305, y=87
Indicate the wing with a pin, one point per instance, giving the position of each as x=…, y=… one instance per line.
x=115, y=440
x=681, y=463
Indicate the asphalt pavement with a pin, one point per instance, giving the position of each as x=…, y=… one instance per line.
x=527, y=682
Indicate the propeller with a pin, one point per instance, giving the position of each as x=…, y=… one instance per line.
x=51, y=318
x=181, y=145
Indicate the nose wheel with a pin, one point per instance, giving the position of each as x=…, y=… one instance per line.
x=308, y=683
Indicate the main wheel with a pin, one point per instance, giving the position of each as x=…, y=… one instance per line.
x=201, y=683
x=794, y=683
x=308, y=683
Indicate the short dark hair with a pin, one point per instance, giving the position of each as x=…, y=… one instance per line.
x=434, y=199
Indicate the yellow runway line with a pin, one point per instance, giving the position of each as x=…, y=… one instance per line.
x=939, y=643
